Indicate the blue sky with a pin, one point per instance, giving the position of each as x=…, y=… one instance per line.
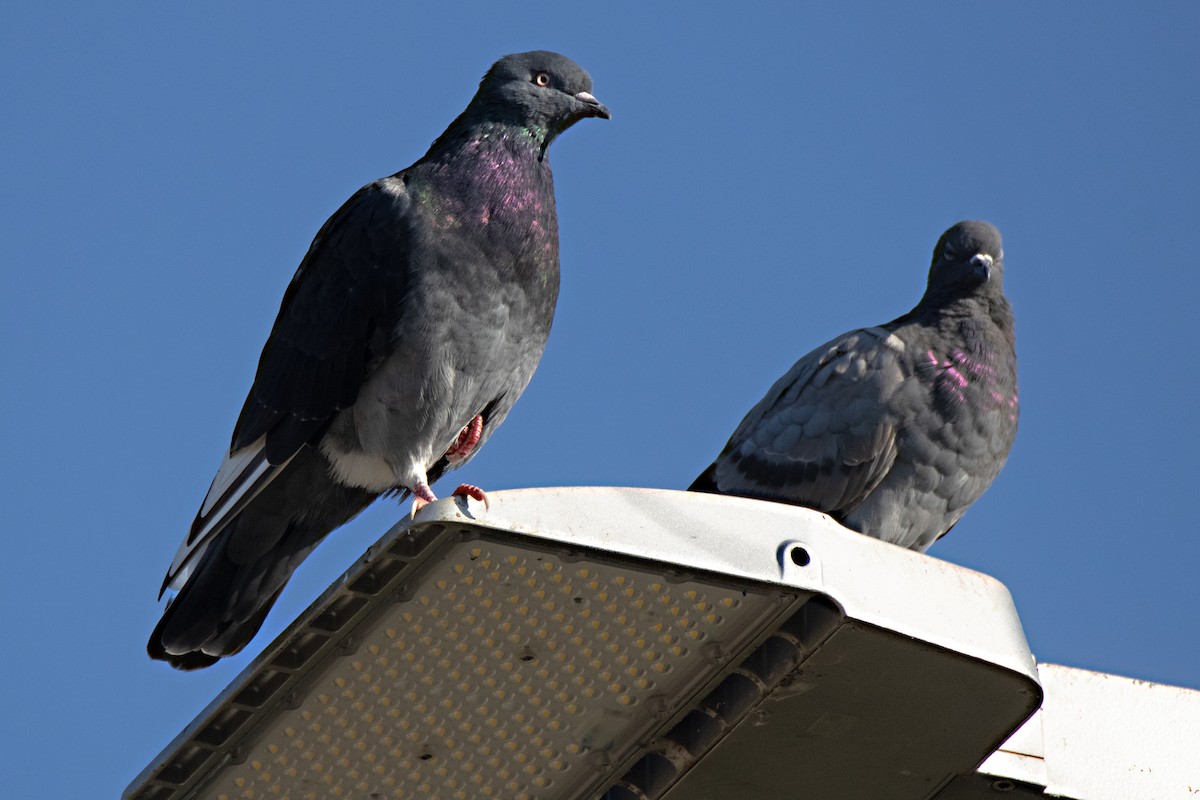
x=772, y=176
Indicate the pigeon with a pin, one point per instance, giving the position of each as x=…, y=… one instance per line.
x=895, y=430
x=412, y=325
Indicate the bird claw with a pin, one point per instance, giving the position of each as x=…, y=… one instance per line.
x=422, y=496
x=468, y=490
x=468, y=437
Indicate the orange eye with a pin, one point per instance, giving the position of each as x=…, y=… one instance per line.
x=542, y=79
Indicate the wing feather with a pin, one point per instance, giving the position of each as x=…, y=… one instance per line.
x=349, y=284
x=243, y=474
x=825, y=433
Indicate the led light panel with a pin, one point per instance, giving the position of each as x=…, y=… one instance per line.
x=506, y=673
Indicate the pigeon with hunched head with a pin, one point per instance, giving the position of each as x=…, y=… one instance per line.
x=893, y=430
x=411, y=327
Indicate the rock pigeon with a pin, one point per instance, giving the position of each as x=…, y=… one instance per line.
x=893, y=430
x=412, y=325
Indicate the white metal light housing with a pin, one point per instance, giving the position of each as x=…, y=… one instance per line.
x=577, y=643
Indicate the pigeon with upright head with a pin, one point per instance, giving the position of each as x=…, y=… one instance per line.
x=412, y=325
x=893, y=430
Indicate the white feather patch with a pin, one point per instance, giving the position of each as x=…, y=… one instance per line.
x=231, y=469
x=241, y=476
x=366, y=470
x=185, y=567
x=889, y=340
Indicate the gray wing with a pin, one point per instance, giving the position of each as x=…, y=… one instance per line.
x=825, y=434
x=331, y=330
x=333, y=322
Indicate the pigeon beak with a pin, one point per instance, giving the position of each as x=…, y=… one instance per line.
x=592, y=106
x=982, y=263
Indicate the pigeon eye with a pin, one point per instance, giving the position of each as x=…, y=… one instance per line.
x=947, y=252
x=542, y=79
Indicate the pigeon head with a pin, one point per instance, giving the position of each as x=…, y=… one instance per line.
x=540, y=92
x=968, y=259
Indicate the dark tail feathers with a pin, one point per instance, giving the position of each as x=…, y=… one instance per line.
x=239, y=577
x=231, y=639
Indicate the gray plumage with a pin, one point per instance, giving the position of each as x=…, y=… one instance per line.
x=411, y=327
x=893, y=430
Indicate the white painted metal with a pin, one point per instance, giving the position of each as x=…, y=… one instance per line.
x=1106, y=737
x=873, y=581
x=910, y=671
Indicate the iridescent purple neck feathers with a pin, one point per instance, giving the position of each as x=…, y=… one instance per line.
x=495, y=182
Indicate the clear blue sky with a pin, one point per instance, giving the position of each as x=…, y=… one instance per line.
x=772, y=177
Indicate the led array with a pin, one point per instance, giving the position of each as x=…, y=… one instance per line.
x=506, y=673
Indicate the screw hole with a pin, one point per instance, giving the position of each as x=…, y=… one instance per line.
x=1003, y=785
x=800, y=557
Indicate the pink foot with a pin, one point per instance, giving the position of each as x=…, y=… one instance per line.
x=467, y=490
x=468, y=437
x=422, y=496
